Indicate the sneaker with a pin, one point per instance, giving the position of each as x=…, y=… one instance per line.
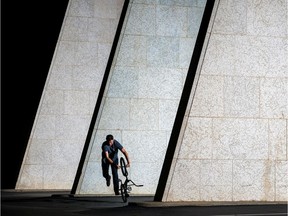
x=117, y=193
x=108, y=181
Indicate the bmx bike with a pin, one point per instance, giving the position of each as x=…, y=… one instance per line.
x=126, y=185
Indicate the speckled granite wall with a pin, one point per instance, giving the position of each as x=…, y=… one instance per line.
x=234, y=143
x=145, y=87
x=70, y=94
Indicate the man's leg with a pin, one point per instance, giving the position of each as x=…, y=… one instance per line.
x=105, y=172
x=115, y=177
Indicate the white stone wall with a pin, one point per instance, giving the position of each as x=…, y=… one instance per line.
x=145, y=86
x=234, y=146
x=70, y=94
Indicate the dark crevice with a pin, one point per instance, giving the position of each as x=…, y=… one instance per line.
x=184, y=101
x=100, y=98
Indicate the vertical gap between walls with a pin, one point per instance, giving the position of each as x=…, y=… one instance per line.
x=180, y=115
x=99, y=98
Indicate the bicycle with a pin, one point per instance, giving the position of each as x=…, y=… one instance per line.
x=125, y=187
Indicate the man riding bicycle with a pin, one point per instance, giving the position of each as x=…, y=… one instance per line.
x=110, y=157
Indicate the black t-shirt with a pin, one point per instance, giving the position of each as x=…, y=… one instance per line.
x=112, y=150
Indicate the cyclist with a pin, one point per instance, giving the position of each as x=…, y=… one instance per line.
x=110, y=157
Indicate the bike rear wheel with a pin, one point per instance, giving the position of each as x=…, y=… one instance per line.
x=123, y=193
x=123, y=167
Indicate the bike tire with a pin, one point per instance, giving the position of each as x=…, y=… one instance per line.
x=123, y=167
x=123, y=193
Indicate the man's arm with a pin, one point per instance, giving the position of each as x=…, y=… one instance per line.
x=107, y=157
x=126, y=156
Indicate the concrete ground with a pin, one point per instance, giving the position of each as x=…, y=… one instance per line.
x=59, y=203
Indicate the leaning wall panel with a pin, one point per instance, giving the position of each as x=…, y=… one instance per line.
x=234, y=143
x=69, y=96
x=145, y=87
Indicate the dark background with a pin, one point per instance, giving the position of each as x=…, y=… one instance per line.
x=29, y=33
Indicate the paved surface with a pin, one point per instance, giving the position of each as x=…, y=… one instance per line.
x=15, y=203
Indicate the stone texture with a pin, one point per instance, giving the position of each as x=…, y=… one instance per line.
x=274, y=94
x=281, y=180
x=277, y=139
x=209, y=97
x=171, y=21
x=198, y=139
x=117, y=114
x=144, y=114
x=163, y=52
x=234, y=144
x=133, y=51
x=234, y=136
x=145, y=86
x=267, y=18
x=141, y=20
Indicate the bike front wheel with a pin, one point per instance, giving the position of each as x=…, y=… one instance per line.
x=123, y=167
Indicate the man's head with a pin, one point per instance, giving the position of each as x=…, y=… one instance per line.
x=109, y=139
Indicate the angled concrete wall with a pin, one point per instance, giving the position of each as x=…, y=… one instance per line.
x=70, y=94
x=234, y=137
x=145, y=86
x=233, y=143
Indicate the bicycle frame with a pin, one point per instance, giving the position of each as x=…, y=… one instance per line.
x=125, y=187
